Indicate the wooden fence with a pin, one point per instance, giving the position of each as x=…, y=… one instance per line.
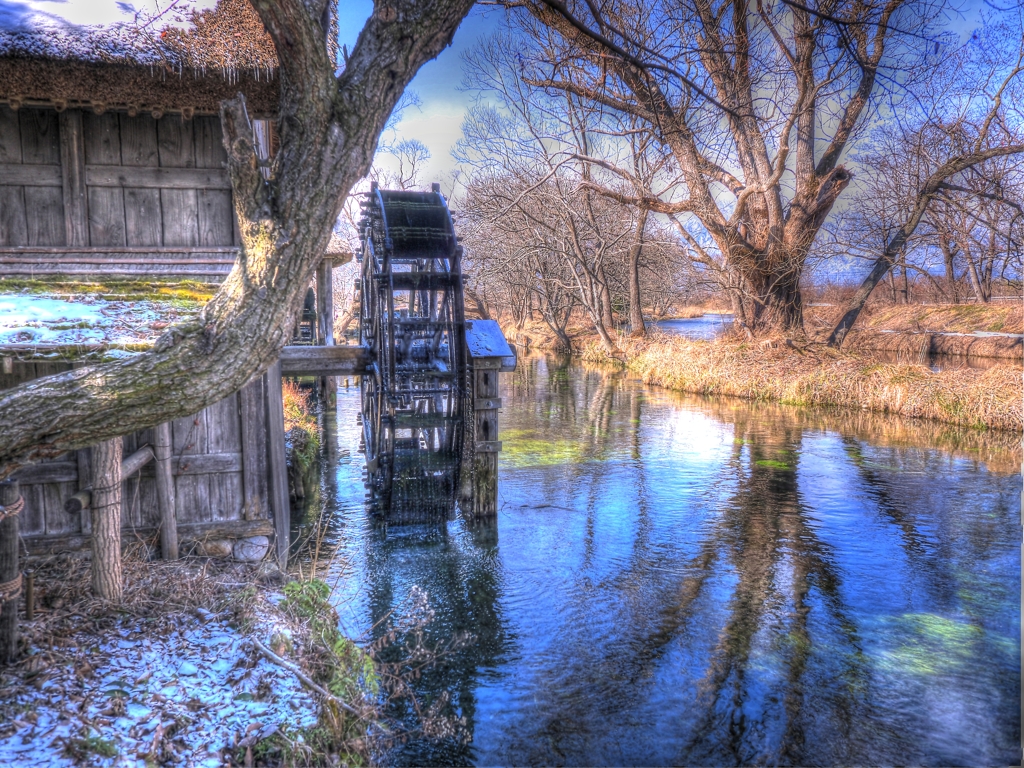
x=227, y=462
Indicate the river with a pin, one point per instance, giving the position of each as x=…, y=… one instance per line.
x=674, y=580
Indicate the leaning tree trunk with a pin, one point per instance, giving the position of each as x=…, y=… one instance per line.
x=636, y=309
x=106, y=520
x=329, y=126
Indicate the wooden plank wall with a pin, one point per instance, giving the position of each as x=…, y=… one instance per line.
x=110, y=193
x=220, y=469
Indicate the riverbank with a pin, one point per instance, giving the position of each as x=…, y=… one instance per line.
x=201, y=664
x=773, y=370
x=916, y=331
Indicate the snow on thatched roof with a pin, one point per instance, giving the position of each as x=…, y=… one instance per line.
x=339, y=249
x=211, y=52
x=226, y=37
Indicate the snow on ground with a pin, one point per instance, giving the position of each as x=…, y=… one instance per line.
x=34, y=319
x=184, y=697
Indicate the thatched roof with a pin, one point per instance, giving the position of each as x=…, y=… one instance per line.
x=188, y=62
x=339, y=250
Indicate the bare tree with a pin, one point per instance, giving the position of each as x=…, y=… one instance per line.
x=756, y=103
x=328, y=126
x=958, y=130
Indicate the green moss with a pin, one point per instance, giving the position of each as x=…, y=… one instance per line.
x=345, y=669
x=187, y=294
x=85, y=750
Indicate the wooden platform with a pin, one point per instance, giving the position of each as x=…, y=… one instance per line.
x=325, y=361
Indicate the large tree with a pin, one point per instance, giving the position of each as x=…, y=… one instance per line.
x=757, y=103
x=328, y=126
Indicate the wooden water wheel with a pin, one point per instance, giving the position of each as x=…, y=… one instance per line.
x=411, y=319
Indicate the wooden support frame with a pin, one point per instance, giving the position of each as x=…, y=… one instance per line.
x=9, y=570
x=278, y=469
x=485, y=432
x=165, y=493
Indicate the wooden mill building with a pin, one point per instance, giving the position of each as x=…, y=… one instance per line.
x=112, y=165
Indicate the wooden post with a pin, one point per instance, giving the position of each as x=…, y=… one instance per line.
x=325, y=316
x=485, y=455
x=106, y=520
x=165, y=496
x=252, y=414
x=278, y=474
x=72, y=167
x=10, y=496
x=84, y=458
x=325, y=300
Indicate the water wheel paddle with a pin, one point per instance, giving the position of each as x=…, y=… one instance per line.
x=412, y=319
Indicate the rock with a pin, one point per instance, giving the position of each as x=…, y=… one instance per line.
x=280, y=641
x=204, y=615
x=272, y=576
x=214, y=548
x=252, y=549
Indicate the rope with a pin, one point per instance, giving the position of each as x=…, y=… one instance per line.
x=12, y=509
x=10, y=591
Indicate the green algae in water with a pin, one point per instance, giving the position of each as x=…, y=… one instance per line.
x=773, y=464
x=935, y=645
x=523, y=452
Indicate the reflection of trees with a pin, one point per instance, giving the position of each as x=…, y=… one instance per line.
x=762, y=536
x=461, y=577
x=778, y=560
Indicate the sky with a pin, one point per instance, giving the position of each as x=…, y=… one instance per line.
x=437, y=122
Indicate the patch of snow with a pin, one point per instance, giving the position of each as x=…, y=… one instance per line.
x=42, y=320
x=138, y=699
x=34, y=15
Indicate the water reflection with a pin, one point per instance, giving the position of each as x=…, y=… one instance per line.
x=674, y=580
x=703, y=327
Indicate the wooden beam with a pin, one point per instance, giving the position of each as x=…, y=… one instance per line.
x=29, y=175
x=253, y=417
x=42, y=546
x=278, y=468
x=325, y=361
x=207, y=464
x=136, y=461
x=72, y=173
x=211, y=263
x=84, y=457
x=156, y=178
x=325, y=301
x=48, y=472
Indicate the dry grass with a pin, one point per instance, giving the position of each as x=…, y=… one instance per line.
x=772, y=370
x=997, y=317
x=153, y=589
x=913, y=345
x=1002, y=317
x=909, y=329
